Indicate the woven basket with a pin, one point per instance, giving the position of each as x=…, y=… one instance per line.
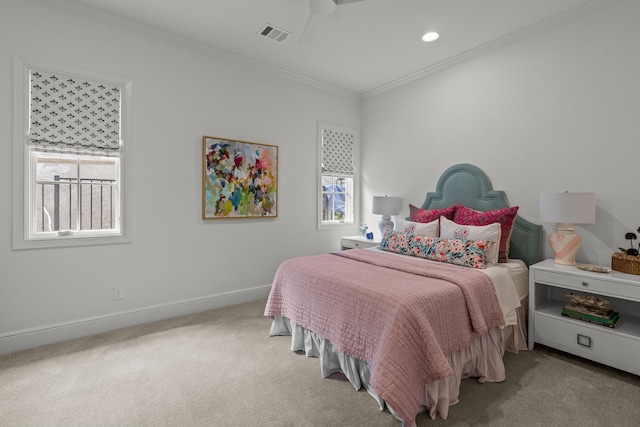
x=625, y=263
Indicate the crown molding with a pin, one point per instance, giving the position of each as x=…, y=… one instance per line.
x=70, y=6
x=548, y=24
x=532, y=30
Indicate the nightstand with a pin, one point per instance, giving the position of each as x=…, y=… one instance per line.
x=549, y=285
x=352, y=242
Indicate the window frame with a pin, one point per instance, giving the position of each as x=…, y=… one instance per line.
x=345, y=192
x=78, y=185
x=24, y=175
x=332, y=225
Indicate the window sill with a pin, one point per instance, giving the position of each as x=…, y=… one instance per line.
x=335, y=225
x=69, y=240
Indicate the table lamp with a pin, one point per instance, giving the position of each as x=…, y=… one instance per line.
x=386, y=206
x=566, y=209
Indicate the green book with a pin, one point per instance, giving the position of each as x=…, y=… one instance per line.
x=609, y=321
x=600, y=315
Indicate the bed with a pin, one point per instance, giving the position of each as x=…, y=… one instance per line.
x=409, y=329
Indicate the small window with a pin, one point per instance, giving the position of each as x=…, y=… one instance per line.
x=74, y=194
x=338, y=149
x=336, y=198
x=71, y=145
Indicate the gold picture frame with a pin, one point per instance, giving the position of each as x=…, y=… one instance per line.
x=239, y=179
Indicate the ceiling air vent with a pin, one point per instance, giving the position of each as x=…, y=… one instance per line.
x=274, y=33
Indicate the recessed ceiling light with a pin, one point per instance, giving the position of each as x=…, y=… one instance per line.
x=430, y=37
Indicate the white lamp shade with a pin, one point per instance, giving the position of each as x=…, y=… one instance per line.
x=568, y=208
x=386, y=206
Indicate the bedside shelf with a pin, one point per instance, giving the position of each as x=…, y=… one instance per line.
x=628, y=326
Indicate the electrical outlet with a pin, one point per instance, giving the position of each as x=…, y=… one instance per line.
x=117, y=294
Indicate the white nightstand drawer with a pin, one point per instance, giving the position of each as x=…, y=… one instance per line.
x=353, y=242
x=588, y=284
x=594, y=342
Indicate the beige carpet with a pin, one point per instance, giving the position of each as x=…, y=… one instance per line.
x=220, y=368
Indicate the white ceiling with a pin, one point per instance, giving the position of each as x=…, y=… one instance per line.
x=362, y=47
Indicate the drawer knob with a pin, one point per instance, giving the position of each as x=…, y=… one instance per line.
x=584, y=340
x=585, y=284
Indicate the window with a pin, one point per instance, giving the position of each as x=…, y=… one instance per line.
x=337, y=153
x=335, y=196
x=74, y=193
x=72, y=140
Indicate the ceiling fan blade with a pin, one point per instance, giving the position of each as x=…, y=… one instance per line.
x=309, y=29
x=319, y=8
x=322, y=7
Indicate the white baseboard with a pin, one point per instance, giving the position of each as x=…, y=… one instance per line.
x=28, y=338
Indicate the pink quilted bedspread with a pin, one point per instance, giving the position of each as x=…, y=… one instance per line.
x=402, y=315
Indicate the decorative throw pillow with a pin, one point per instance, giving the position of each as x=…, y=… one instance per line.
x=396, y=241
x=419, y=228
x=427, y=215
x=491, y=232
x=505, y=217
x=467, y=253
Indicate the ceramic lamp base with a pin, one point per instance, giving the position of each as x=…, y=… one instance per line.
x=385, y=225
x=565, y=245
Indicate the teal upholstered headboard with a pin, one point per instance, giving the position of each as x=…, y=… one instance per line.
x=467, y=184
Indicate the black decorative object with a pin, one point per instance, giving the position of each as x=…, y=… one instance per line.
x=631, y=237
x=627, y=260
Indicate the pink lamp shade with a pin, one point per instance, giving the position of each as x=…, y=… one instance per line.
x=566, y=209
x=386, y=206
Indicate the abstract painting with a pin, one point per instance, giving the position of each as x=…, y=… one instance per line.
x=240, y=179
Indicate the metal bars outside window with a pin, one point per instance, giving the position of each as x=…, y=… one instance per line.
x=96, y=204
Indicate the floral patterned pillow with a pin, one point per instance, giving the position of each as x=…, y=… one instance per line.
x=396, y=241
x=467, y=253
x=491, y=232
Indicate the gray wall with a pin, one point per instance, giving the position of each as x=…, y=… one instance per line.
x=559, y=111
x=176, y=263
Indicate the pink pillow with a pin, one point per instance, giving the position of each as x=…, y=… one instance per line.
x=505, y=217
x=428, y=215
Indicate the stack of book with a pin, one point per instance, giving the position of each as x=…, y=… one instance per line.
x=591, y=309
x=609, y=319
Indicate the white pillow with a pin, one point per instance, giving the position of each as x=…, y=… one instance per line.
x=491, y=232
x=418, y=228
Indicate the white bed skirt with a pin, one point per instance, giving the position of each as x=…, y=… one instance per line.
x=482, y=360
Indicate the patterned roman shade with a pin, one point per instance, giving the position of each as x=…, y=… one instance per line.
x=338, y=155
x=73, y=114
